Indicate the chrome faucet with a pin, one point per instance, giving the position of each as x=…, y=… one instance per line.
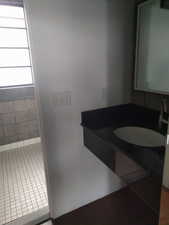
x=163, y=118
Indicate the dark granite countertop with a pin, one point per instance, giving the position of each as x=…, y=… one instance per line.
x=103, y=122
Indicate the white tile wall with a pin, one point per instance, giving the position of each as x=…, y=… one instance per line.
x=18, y=120
x=20, y=105
x=22, y=182
x=6, y=107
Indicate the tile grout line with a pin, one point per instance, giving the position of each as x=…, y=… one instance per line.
x=22, y=172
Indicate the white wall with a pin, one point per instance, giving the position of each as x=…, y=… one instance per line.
x=82, y=47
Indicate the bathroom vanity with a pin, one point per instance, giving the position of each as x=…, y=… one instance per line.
x=139, y=164
x=131, y=139
x=100, y=128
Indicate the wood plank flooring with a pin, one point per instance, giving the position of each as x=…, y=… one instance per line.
x=164, y=211
x=120, y=208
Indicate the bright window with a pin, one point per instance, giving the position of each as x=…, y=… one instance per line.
x=15, y=66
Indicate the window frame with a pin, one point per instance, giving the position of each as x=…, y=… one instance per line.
x=27, y=48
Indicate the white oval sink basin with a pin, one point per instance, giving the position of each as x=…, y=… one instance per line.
x=140, y=136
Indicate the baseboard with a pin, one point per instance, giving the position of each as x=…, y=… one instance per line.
x=20, y=144
x=47, y=222
x=32, y=218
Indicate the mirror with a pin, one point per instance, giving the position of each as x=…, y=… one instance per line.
x=152, y=74
x=152, y=48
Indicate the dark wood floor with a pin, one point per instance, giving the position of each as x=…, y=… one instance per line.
x=120, y=208
x=149, y=189
x=164, y=212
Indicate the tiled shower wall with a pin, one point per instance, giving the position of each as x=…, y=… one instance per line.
x=18, y=115
x=149, y=100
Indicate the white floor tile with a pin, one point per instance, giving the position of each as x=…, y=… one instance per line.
x=22, y=182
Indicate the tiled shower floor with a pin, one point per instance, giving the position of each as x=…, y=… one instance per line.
x=22, y=182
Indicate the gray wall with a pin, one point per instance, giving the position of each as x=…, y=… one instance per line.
x=82, y=59
x=18, y=115
x=149, y=100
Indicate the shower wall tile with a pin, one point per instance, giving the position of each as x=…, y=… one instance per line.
x=8, y=118
x=10, y=130
x=21, y=128
x=149, y=100
x=23, y=116
x=27, y=130
x=18, y=115
x=138, y=98
x=2, y=140
x=1, y=132
x=6, y=107
x=30, y=104
x=13, y=94
x=154, y=100
x=20, y=105
x=23, y=136
x=11, y=139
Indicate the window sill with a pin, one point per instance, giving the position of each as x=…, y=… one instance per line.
x=17, y=87
x=14, y=93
